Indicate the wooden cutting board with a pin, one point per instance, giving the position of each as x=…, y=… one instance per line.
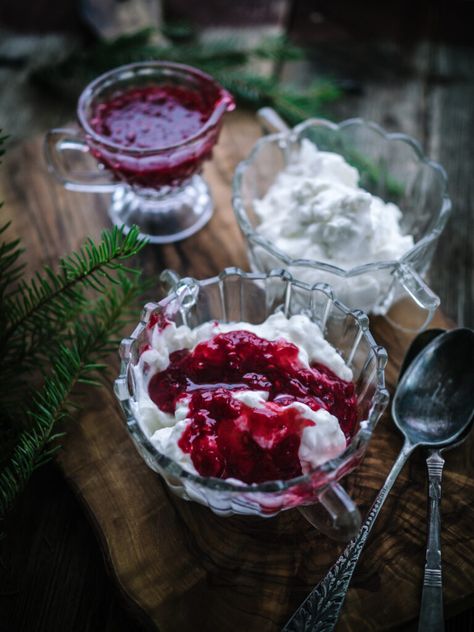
x=177, y=562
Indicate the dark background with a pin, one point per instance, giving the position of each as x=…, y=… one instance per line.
x=52, y=574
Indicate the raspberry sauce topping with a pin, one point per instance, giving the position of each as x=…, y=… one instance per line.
x=151, y=117
x=225, y=437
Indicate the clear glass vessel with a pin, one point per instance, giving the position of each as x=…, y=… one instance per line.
x=157, y=188
x=391, y=166
x=238, y=296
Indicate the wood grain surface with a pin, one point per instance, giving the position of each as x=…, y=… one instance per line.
x=185, y=567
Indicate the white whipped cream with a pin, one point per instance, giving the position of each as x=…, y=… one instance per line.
x=316, y=210
x=319, y=442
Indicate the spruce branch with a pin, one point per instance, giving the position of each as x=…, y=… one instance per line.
x=44, y=295
x=37, y=316
x=10, y=270
x=77, y=364
x=48, y=409
x=229, y=60
x=56, y=330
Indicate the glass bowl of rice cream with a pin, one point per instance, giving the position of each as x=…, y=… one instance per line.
x=235, y=390
x=346, y=204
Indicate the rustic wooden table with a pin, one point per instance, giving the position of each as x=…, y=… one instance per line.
x=52, y=574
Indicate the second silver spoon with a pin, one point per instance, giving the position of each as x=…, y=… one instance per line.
x=432, y=407
x=431, y=611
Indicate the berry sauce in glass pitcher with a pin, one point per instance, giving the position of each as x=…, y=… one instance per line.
x=157, y=131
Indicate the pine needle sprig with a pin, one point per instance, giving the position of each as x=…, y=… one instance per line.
x=10, y=269
x=44, y=296
x=56, y=331
x=229, y=59
x=79, y=363
x=38, y=315
x=294, y=105
x=48, y=410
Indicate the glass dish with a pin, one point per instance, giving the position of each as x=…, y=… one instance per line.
x=391, y=166
x=235, y=296
x=158, y=189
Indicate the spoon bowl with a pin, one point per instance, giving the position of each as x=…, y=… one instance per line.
x=433, y=407
x=432, y=610
x=421, y=341
x=434, y=400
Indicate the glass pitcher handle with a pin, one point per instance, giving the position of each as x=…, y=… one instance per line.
x=425, y=300
x=335, y=515
x=60, y=141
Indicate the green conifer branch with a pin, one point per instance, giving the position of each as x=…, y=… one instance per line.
x=73, y=365
x=50, y=292
x=55, y=331
x=229, y=60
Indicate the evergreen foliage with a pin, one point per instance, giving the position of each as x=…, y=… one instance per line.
x=57, y=327
x=55, y=331
x=228, y=60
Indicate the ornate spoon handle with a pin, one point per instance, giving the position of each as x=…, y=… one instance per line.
x=431, y=611
x=320, y=611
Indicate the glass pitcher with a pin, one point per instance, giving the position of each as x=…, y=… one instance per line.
x=157, y=188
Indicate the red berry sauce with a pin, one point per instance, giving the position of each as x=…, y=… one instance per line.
x=159, y=320
x=228, y=439
x=152, y=119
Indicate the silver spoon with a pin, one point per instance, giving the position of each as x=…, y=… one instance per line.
x=418, y=344
x=433, y=405
x=431, y=611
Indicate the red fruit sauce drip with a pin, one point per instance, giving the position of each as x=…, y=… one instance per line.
x=228, y=439
x=151, y=117
x=159, y=320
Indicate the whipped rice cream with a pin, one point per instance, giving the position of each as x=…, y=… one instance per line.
x=316, y=210
x=319, y=442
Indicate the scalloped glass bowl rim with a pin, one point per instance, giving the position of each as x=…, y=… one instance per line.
x=88, y=92
x=293, y=135
x=360, y=439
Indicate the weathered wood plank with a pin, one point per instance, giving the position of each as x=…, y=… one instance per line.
x=50, y=562
x=187, y=568
x=451, y=130
x=424, y=91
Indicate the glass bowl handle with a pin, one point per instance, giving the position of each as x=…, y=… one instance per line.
x=271, y=121
x=57, y=143
x=422, y=296
x=335, y=515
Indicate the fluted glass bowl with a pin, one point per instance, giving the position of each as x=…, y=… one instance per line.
x=391, y=166
x=238, y=296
